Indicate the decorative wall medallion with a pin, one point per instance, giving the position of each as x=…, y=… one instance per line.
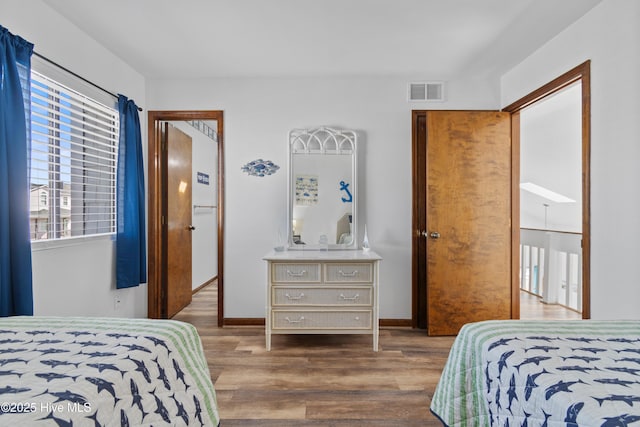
x=260, y=167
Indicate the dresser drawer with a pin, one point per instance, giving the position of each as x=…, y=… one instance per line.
x=296, y=272
x=328, y=295
x=301, y=319
x=349, y=273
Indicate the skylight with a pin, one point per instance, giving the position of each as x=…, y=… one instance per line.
x=545, y=192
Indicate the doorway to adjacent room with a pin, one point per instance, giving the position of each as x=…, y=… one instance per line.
x=566, y=218
x=174, y=218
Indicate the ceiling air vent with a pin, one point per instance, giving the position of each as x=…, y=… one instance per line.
x=426, y=91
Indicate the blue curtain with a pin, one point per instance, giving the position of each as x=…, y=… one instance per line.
x=131, y=255
x=16, y=293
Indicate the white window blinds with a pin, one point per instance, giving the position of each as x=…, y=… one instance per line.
x=74, y=142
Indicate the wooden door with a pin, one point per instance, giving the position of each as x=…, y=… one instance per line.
x=468, y=218
x=178, y=286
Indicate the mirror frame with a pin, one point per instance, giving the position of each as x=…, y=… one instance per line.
x=323, y=141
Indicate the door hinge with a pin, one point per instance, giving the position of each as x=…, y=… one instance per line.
x=162, y=220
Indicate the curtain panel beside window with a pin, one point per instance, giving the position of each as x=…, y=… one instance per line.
x=16, y=290
x=131, y=257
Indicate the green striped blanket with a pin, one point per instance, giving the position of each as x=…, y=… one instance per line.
x=542, y=373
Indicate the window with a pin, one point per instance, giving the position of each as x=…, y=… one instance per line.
x=73, y=162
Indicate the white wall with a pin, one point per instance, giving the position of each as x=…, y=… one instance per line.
x=204, y=239
x=77, y=278
x=609, y=35
x=259, y=113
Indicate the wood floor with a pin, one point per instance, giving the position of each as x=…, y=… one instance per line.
x=320, y=380
x=532, y=308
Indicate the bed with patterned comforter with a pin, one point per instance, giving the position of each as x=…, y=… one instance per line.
x=103, y=372
x=542, y=373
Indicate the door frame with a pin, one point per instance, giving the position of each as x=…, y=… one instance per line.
x=419, y=221
x=580, y=73
x=158, y=194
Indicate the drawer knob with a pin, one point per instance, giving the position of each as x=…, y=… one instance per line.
x=353, y=298
x=294, y=321
x=354, y=273
x=299, y=274
x=294, y=298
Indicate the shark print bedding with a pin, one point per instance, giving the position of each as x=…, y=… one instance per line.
x=518, y=373
x=103, y=372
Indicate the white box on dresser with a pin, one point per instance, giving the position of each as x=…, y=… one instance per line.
x=322, y=292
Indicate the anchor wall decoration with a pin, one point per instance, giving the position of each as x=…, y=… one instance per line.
x=345, y=187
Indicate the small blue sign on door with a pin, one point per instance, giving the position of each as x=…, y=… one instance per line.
x=203, y=178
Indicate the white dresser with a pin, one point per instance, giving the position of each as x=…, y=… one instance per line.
x=322, y=292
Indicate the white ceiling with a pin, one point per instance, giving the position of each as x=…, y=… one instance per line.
x=436, y=39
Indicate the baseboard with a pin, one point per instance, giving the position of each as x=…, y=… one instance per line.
x=207, y=283
x=395, y=322
x=243, y=321
x=259, y=321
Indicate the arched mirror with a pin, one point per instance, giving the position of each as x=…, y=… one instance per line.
x=323, y=192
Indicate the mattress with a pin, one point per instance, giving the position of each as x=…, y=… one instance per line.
x=103, y=372
x=542, y=373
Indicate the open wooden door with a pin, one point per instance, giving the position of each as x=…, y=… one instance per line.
x=468, y=236
x=177, y=278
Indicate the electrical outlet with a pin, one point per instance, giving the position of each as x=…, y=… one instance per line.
x=117, y=301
